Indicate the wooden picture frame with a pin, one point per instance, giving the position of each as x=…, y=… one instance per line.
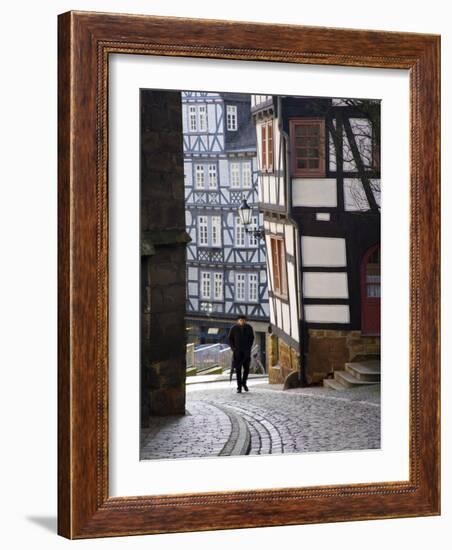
x=86, y=40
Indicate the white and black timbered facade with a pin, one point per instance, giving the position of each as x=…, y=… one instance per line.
x=226, y=266
x=319, y=192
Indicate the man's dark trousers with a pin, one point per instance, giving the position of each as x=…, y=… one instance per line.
x=241, y=359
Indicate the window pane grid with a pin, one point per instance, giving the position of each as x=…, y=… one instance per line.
x=308, y=147
x=203, y=231
x=240, y=287
x=373, y=291
x=252, y=288
x=216, y=230
x=199, y=176
x=235, y=174
x=218, y=286
x=205, y=285
x=239, y=233
x=202, y=113
x=212, y=176
x=192, y=116
x=253, y=240
x=231, y=117
x=246, y=174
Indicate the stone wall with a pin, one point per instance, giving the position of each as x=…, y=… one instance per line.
x=329, y=350
x=282, y=360
x=163, y=256
x=274, y=371
x=287, y=359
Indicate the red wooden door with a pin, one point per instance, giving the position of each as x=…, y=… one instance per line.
x=370, y=291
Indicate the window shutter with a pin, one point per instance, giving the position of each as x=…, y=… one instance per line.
x=270, y=145
x=264, y=146
x=275, y=264
x=282, y=265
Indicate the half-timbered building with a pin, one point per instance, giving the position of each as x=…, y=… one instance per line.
x=226, y=265
x=319, y=192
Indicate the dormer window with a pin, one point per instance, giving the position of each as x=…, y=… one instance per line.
x=231, y=118
x=307, y=137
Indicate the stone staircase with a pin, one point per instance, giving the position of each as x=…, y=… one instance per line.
x=361, y=373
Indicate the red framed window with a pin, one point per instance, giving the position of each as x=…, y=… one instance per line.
x=370, y=291
x=267, y=146
x=307, y=136
x=279, y=266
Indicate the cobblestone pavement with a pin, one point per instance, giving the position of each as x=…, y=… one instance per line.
x=266, y=420
x=203, y=431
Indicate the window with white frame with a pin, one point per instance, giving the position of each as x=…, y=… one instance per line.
x=199, y=176
x=216, y=230
x=202, y=118
x=197, y=118
x=246, y=175
x=192, y=118
x=239, y=233
x=231, y=117
x=240, y=287
x=235, y=174
x=253, y=239
x=203, y=231
x=205, y=285
x=211, y=285
x=209, y=231
x=243, y=238
x=253, y=287
x=240, y=175
x=246, y=287
x=212, y=176
x=206, y=176
x=218, y=286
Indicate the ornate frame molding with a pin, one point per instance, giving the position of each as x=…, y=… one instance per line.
x=85, y=42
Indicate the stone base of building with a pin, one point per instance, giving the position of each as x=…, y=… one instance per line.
x=167, y=387
x=329, y=350
x=163, y=241
x=282, y=360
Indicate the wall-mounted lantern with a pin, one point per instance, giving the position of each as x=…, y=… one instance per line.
x=245, y=219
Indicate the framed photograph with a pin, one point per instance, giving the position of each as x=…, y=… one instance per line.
x=248, y=275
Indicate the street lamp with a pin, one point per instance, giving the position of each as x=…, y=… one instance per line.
x=245, y=219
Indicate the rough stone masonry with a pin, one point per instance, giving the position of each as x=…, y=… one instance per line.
x=163, y=256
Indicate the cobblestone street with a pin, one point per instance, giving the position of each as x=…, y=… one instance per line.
x=265, y=420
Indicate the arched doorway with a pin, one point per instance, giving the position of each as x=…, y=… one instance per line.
x=370, y=291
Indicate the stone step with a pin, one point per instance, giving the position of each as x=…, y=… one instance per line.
x=333, y=384
x=350, y=381
x=366, y=371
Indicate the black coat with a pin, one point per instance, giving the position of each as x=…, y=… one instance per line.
x=241, y=338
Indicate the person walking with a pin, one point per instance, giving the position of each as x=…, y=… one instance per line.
x=241, y=338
